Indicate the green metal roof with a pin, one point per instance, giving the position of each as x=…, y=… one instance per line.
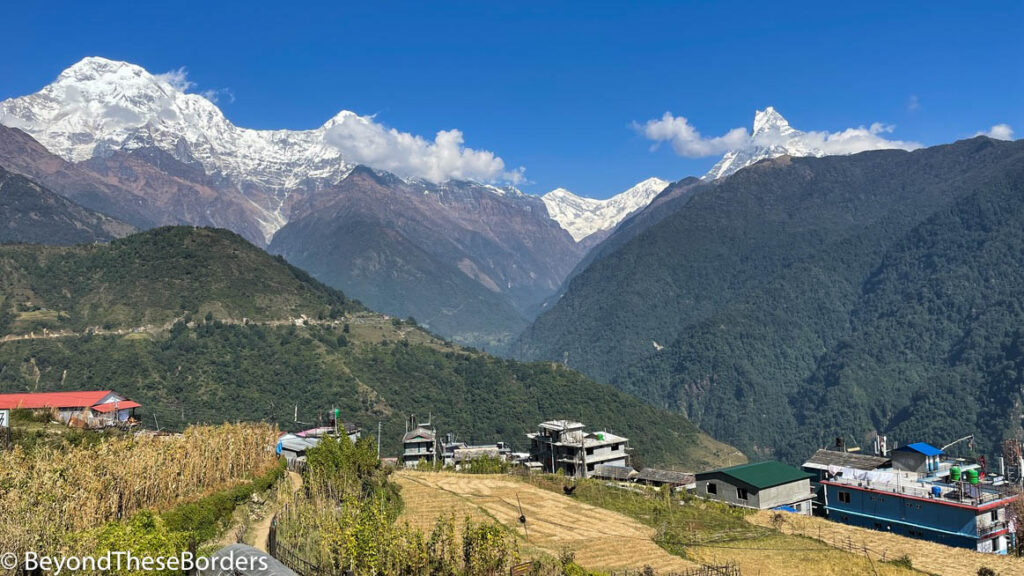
x=760, y=475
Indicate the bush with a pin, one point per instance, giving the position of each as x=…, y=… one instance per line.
x=206, y=517
x=903, y=562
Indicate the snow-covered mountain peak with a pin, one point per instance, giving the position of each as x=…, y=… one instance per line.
x=581, y=216
x=99, y=105
x=772, y=137
x=769, y=120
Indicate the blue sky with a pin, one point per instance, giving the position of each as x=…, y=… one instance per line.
x=555, y=87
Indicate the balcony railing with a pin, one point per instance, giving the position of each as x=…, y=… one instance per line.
x=986, y=529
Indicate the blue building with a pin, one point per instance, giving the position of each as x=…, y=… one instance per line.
x=920, y=496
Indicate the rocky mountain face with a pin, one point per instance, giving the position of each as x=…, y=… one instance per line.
x=30, y=213
x=145, y=187
x=805, y=298
x=464, y=259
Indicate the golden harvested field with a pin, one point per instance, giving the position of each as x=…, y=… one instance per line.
x=926, y=556
x=602, y=540
x=607, y=541
x=787, y=555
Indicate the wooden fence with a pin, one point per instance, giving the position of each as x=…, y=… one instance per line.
x=728, y=569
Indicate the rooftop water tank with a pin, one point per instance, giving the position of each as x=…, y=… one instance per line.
x=954, y=474
x=972, y=476
x=936, y=491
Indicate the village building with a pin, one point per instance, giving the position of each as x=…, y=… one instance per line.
x=767, y=485
x=294, y=447
x=671, y=478
x=614, y=473
x=826, y=463
x=563, y=445
x=919, y=457
x=455, y=453
x=419, y=445
x=351, y=430
x=921, y=495
x=89, y=409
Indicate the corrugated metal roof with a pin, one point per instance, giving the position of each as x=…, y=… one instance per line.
x=119, y=405
x=614, y=472
x=760, y=475
x=419, y=432
x=822, y=459
x=665, y=476
x=52, y=399
x=922, y=448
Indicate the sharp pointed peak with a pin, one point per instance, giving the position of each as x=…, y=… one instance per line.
x=768, y=119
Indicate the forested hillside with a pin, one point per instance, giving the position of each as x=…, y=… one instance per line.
x=756, y=306
x=200, y=326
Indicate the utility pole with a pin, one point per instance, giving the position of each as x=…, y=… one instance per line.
x=378, y=439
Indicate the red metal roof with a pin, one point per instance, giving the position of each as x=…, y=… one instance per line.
x=52, y=400
x=120, y=405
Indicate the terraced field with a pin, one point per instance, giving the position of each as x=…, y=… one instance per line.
x=927, y=556
x=601, y=539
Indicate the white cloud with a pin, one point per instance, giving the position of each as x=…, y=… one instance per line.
x=913, y=103
x=362, y=140
x=849, y=141
x=999, y=132
x=215, y=94
x=178, y=79
x=688, y=142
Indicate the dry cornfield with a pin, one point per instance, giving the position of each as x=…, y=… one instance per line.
x=49, y=492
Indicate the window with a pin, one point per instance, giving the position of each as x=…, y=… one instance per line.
x=712, y=488
x=590, y=451
x=995, y=515
x=615, y=447
x=844, y=497
x=741, y=493
x=798, y=507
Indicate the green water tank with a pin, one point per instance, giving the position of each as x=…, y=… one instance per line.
x=954, y=474
x=600, y=437
x=972, y=476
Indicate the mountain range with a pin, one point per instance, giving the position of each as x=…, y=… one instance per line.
x=801, y=299
x=471, y=260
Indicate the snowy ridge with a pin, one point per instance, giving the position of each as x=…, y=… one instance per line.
x=582, y=217
x=99, y=105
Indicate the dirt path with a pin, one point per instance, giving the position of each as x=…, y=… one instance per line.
x=261, y=529
x=45, y=334
x=601, y=539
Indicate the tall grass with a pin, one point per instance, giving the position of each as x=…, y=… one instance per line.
x=51, y=492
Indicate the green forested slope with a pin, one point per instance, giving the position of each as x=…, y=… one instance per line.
x=937, y=345
x=153, y=278
x=754, y=282
x=209, y=366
